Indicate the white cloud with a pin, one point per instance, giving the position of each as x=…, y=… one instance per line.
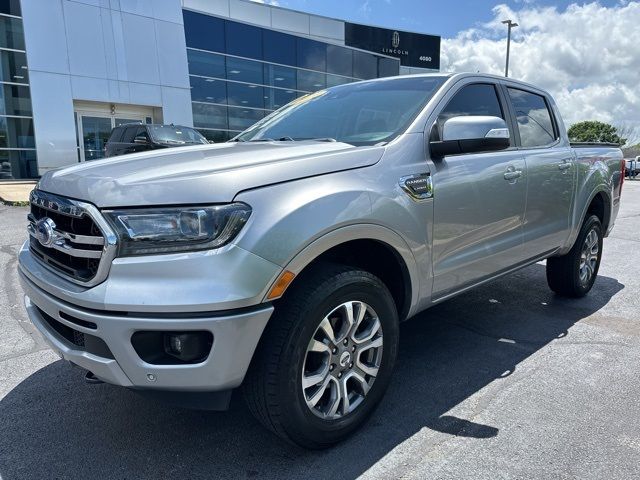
x=587, y=56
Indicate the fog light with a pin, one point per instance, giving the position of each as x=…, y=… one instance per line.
x=187, y=346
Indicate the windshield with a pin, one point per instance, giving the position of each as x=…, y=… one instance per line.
x=362, y=113
x=175, y=134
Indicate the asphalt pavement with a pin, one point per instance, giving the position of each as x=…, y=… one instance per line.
x=506, y=381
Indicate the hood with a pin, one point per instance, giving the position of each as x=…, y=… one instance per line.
x=201, y=174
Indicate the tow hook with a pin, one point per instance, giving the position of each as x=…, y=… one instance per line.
x=91, y=379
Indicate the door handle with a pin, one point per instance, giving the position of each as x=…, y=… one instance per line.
x=512, y=174
x=564, y=165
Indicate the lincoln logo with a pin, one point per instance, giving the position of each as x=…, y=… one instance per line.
x=395, y=40
x=45, y=231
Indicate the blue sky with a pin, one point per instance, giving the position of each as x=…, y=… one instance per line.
x=442, y=17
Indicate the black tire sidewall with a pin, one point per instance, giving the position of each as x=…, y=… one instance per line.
x=302, y=424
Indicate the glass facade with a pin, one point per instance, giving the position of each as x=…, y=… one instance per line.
x=17, y=143
x=240, y=73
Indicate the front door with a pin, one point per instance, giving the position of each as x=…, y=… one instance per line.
x=94, y=123
x=479, y=203
x=95, y=133
x=551, y=174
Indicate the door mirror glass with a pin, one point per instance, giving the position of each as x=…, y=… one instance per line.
x=471, y=134
x=140, y=140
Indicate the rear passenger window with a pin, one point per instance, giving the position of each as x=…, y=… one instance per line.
x=116, y=135
x=475, y=99
x=535, y=123
x=129, y=134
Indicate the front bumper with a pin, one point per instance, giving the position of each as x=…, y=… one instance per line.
x=235, y=337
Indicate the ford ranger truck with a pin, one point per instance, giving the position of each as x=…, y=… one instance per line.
x=282, y=262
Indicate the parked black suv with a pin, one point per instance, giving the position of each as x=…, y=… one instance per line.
x=137, y=137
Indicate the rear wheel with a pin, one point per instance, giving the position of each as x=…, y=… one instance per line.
x=326, y=357
x=574, y=273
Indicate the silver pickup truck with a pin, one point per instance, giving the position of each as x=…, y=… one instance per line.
x=283, y=261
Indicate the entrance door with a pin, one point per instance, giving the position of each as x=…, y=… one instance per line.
x=94, y=123
x=95, y=133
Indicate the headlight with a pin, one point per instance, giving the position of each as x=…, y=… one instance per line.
x=165, y=230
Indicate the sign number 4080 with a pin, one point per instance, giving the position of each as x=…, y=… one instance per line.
x=425, y=59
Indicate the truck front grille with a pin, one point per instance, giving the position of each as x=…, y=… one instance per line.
x=66, y=236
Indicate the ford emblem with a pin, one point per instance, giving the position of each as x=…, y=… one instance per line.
x=45, y=231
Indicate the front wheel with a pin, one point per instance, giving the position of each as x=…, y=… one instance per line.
x=326, y=357
x=573, y=274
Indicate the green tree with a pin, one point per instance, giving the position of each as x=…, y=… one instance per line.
x=594, y=131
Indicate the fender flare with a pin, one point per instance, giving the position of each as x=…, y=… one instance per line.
x=600, y=189
x=367, y=231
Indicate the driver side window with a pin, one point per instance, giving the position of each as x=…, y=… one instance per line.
x=471, y=100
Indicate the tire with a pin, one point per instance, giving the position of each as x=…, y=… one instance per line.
x=273, y=388
x=569, y=275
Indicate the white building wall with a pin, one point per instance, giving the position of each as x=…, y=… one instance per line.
x=113, y=51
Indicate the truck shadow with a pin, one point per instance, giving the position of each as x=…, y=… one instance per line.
x=55, y=426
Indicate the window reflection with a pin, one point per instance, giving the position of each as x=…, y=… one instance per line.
x=275, y=98
x=245, y=95
x=244, y=70
x=254, y=70
x=311, y=81
x=279, y=47
x=208, y=90
x=11, y=33
x=207, y=64
x=339, y=60
x=210, y=116
x=312, y=54
x=243, y=118
x=277, y=76
x=204, y=31
x=15, y=100
x=243, y=40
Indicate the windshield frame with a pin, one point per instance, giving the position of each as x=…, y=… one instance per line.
x=151, y=128
x=253, y=133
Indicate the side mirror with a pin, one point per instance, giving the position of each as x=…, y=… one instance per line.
x=140, y=140
x=471, y=134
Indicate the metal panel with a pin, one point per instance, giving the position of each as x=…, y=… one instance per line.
x=137, y=7
x=88, y=88
x=53, y=120
x=219, y=7
x=250, y=12
x=141, y=49
x=119, y=46
x=290, y=21
x=326, y=27
x=109, y=43
x=84, y=40
x=172, y=59
x=167, y=10
x=145, y=94
x=176, y=106
x=44, y=32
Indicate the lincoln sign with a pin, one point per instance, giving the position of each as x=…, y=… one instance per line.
x=413, y=49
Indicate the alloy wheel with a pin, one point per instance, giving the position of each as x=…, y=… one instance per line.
x=342, y=360
x=589, y=257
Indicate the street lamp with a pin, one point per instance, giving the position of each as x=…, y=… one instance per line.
x=510, y=25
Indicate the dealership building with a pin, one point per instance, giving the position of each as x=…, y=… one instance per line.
x=74, y=69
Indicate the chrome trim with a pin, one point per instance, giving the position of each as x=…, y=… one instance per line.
x=60, y=244
x=84, y=239
x=76, y=208
x=405, y=184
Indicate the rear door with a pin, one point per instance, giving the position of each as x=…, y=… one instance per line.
x=478, y=212
x=551, y=172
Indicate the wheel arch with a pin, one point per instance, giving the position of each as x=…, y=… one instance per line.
x=371, y=247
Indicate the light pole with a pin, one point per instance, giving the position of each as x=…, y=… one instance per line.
x=509, y=25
